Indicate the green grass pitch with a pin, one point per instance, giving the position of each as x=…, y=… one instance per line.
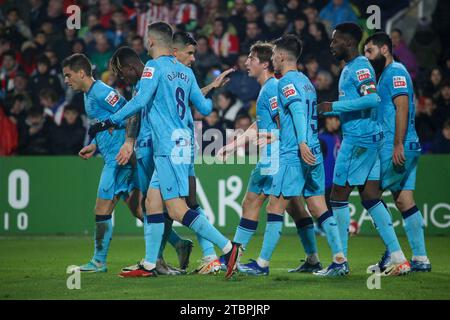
x=34, y=268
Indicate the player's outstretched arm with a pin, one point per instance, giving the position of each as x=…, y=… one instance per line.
x=251, y=133
x=203, y=105
x=218, y=82
x=401, y=122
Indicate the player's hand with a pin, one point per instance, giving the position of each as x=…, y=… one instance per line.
x=324, y=107
x=224, y=152
x=306, y=154
x=265, y=138
x=125, y=153
x=398, y=157
x=222, y=79
x=99, y=127
x=88, y=151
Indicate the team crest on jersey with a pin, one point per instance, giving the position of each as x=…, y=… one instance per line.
x=112, y=98
x=289, y=91
x=273, y=103
x=368, y=88
x=148, y=72
x=399, y=82
x=363, y=74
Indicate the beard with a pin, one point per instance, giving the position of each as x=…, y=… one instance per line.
x=378, y=64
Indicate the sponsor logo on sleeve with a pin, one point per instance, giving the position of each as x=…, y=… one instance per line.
x=273, y=103
x=399, y=82
x=289, y=91
x=148, y=72
x=363, y=74
x=112, y=98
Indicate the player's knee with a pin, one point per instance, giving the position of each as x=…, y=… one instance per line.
x=404, y=204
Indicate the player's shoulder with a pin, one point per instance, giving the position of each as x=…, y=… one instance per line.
x=288, y=78
x=106, y=93
x=362, y=69
x=398, y=68
x=270, y=88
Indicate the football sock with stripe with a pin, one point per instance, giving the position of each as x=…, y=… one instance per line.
x=414, y=231
x=168, y=222
x=245, y=231
x=206, y=245
x=329, y=226
x=153, y=236
x=307, y=235
x=383, y=223
x=197, y=222
x=272, y=235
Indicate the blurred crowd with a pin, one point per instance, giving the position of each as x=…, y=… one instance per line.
x=39, y=115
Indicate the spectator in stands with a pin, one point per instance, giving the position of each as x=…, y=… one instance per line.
x=281, y=24
x=137, y=43
x=8, y=72
x=237, y=18
x=291, y=8
x=324, y=87
x=119, y=28
x=403, y=53
x=241, y=84
x=9, y=135
x=18, y=110
x=78, y=46
x=40, y=42
x=106, y=9
x=433, y=83
x=55, y=15
x=223, y=43
x=101, y=54
x=299, y=27
x=311, y=13
x=319, y=45
x=330, y=140
x=252, y=13
x=336, y=12
x=20, y=88
x=43, y=79
x=442, y=112
x=63, y=45
x=426, y=45
x=205, y=59
x=269, y=27
x=441, y=143
x=37, y=14
x=426, y=124
x=252, y=35
x=213, y=121
x=185, y=13
x=68, y=137
x=34, y=137
x=312, y=68
x=19, y=30
x=229, y=107
x=53, y=104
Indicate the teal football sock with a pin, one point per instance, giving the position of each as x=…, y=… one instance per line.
x=153, y=236
x=329, y=225
x=272, y=235
x=341, y=213
x=245, y=230
x=383, y=223
x=193, y=220
x=414, y=231
x=102, y=236
x=207, y=246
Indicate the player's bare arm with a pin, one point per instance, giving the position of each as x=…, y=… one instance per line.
x=401, y=123
x=227, y=150
x=131, y=130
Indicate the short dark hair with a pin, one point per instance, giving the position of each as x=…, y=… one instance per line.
x=290, y=43
x=183, y=39
x=123, y=56
x=243, y=116
x=44, y=60
x=163, y=29
x=49, y=93
x=136, y=37
x=10, y=53
x=380, y=39
x=351, y=29
x=398, y=31
x=263, y=51
x=77, y=62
